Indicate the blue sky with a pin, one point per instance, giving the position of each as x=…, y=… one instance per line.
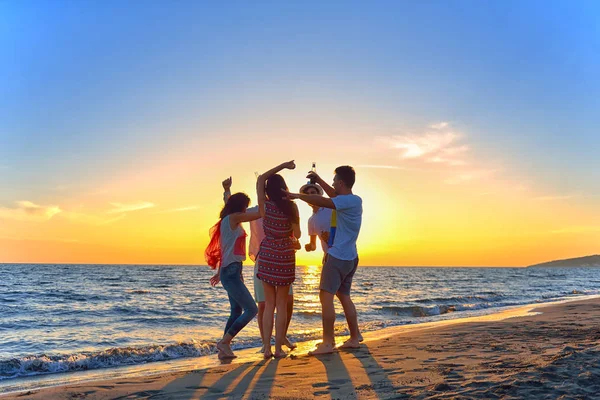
x=90, y=88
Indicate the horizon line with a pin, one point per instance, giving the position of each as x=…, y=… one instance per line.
x=299, y=265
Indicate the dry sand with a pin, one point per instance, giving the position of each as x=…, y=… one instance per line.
x=552, y=355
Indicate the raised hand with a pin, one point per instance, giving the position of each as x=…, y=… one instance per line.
x=289, y=165
x=227, y=184
x=313, y=176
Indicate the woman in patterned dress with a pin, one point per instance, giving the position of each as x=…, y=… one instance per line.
x=277, y=255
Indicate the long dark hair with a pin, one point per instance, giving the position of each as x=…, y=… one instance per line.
x=236, y=203
x=274, y=187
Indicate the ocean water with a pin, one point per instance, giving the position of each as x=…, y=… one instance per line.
x=63, y=318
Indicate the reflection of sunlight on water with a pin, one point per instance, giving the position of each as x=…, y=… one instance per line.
x=306, y=295
x=311, y=277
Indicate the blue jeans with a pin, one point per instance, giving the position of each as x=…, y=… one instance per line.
x=239, y=298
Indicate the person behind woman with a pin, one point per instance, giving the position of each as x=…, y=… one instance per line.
x=319, y=222
x=277, y=256
x=225, y=253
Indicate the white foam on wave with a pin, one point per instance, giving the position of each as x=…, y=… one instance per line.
x=47, y=364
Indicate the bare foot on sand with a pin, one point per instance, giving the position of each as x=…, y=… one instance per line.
x=289, y=344
x=268, y=353
x=351, y=344
x=323, y=348
x=280, y=354
x=225, y=350
x=224, y=356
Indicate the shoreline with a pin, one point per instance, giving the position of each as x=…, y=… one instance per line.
x=160, y=370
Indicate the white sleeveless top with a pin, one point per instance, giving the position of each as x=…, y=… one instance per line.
x=233, y=243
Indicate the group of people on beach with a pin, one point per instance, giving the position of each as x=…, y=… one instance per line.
x=275, y=230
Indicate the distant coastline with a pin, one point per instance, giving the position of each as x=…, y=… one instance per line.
x=587, y=261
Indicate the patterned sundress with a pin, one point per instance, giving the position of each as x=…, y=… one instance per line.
x=277, y=257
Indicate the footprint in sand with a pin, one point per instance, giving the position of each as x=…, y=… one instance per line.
x=140, y=395
x=396, y=373
x=82, y=395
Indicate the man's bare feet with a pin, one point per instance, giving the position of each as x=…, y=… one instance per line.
x=225, y=350
x=289, y=344
x=351, y=344
x=323, y=348
x=320, y=343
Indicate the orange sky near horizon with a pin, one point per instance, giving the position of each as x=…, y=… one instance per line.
x=416, y=213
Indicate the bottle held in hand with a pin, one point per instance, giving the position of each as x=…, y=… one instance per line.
x=313, y=169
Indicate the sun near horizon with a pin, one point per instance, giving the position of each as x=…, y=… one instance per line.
x=474, y=141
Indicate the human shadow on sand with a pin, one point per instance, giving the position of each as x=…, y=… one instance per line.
x=191, y=385
x=339, y=378
x=380, y=381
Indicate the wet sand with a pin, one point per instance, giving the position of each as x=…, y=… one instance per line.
x=552, y=354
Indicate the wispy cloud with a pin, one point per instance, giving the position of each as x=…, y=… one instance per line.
x=124, y=208
x=91, y=219
x=439, y=125
x=439, y=143
x=469, y=176
x=180, y=209
x=29, y=211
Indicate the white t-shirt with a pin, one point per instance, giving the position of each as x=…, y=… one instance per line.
x=257, y=234
x=318, y=224
x=348, y=209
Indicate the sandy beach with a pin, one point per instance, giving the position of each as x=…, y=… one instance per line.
x=552, y=352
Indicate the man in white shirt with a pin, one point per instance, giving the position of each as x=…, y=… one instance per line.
x=319, y=222
x=342, y=257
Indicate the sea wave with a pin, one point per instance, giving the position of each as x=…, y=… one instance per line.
x=417, y=311
x=43, y=364
x=47, y=364
x=94, y=314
